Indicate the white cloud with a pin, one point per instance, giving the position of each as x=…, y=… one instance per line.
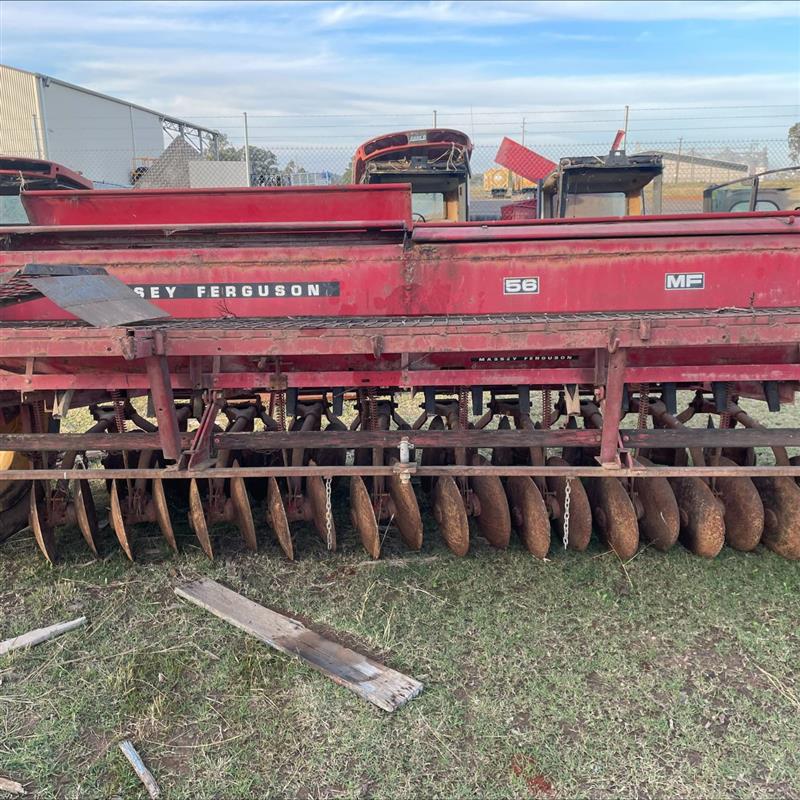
x=503, y=12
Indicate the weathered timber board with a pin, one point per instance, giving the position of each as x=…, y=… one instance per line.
x=380, y=685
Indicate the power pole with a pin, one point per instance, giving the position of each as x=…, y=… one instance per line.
x=523, y=131
x=247, y=151
x=678, y=161
x=434, y=117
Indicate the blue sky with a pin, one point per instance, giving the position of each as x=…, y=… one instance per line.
x=569, y=67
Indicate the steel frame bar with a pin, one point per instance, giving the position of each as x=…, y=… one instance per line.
x=398, y=469
x=493, y=336
x=278, y=440
x=403, y=379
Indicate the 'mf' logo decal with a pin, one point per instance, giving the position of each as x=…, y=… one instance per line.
x=685, y=280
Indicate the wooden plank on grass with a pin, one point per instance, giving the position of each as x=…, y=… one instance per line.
x=386, y=688
x=40, y=635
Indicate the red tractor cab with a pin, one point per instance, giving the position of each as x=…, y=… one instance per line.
x=436, y=162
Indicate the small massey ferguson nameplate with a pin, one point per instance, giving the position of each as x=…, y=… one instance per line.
x=528, y=285
x=685, y=280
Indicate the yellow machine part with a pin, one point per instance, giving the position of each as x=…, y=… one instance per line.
x=12, y=491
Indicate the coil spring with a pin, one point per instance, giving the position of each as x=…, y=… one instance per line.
x=280, y=410
x=547, y=409
x=644, y=405
x=372, y=420
x=463, y=411
x=725, y=416
x=119, y=411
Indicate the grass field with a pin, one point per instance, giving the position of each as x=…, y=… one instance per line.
x=672, y=677
x=578, y=677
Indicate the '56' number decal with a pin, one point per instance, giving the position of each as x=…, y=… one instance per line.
x=521, y=285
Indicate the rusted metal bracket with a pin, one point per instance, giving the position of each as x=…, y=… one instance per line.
x=611, y=408
x=164, y=406
x=200, y=451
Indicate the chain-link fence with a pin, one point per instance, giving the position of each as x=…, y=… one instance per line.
x=319, y=151
x=688, y=169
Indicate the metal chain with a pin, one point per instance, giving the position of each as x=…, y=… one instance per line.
x=567, y=499
x=328, y=515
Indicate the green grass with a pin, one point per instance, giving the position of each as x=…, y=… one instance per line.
x=676, y=677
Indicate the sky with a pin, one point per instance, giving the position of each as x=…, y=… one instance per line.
x=332, y=73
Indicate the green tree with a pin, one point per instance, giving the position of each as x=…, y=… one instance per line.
x=263, y=163
x=794, y=143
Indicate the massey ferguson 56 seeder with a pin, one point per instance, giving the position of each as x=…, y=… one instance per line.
x=270, y=333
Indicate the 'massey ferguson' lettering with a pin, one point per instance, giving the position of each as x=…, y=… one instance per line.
x=685, y=280
x=214, y=291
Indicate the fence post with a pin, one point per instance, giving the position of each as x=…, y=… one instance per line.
x=625, y=140
x=678, y=160
x=247, y=151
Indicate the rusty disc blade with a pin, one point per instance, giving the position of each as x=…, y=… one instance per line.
x=433, y=456
x=795, y=462
x=743, y=456
x=448, y=508
x=85, y=514
x=406, y=511
x=363, y=516
x=43, y=532
x=702, y=517
x=494, y=520
x=118, y=522
x=503, y=456
x=316, y=496
x=744, y=511
x=276, y=518
x=615, y=516
x=162, y=513
x=781, y=498
x=197, y=519
x=660, y=522
x=529, y=514
x=580, y=512
x=243, y=513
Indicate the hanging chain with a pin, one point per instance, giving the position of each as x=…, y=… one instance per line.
x=328, y=514
x=547, y=409
x=567, y=500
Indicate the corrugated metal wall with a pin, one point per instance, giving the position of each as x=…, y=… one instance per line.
x=100, y=138
x=20, y=126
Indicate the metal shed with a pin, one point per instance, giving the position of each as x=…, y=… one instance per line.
x=102, y=137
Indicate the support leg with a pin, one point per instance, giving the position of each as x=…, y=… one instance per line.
x=164, y=402
x=612, y=409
